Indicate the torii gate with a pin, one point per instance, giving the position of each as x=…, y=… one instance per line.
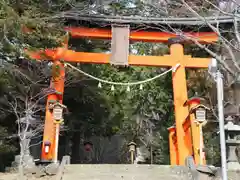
x=182, y=132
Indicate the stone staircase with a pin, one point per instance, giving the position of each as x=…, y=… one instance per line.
x=138, y=172
x=15, y=176
x=128, y=172
x=120, y=172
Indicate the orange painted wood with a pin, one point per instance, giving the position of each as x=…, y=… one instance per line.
x=186, y=124
x=180, y=96
x=173, y=147
x=196, y=138
x=145, y=36
x=134, y=60
x=135, y=35
x=196, y=135
x=49, y=133
x=188, y=140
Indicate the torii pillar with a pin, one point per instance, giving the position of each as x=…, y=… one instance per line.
x=180, y=97
x=51, y=129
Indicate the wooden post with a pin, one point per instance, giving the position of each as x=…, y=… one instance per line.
x=197, y=138
x=180, y=96
x=188, y=140
x=173, y=146
x=197, y=135
x=49, y=135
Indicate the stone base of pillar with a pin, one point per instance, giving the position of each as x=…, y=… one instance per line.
x=30, y=168
x=28, y=163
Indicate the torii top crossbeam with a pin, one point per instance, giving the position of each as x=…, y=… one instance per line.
x=97, y=20
x=144, y=36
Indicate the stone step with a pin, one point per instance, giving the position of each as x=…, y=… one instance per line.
x=15, y=176
x=125, y=172
x=8, y=176
x=138, y=172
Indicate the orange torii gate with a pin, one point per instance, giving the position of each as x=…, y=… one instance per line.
x=184, y=141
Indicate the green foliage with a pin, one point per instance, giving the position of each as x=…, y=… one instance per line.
x=27, y=25
x=5, y=146
x=153, y=103
x=212, y=146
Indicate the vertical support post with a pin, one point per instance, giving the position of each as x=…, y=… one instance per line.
x=180, y=97
x=48, y=134
x=221, y=124
x=59, y=86
x=188, y=140
x=132, y=149
x=132, y=157
x=57, y=130
x=196, y=131
x=51, y=130
x=195, y=134
x=202, y=153
x=173, y=146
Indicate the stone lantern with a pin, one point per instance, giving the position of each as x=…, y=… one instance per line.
x=132, y=149
x=57, y=111
x=200, y=112
x=232, y=132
